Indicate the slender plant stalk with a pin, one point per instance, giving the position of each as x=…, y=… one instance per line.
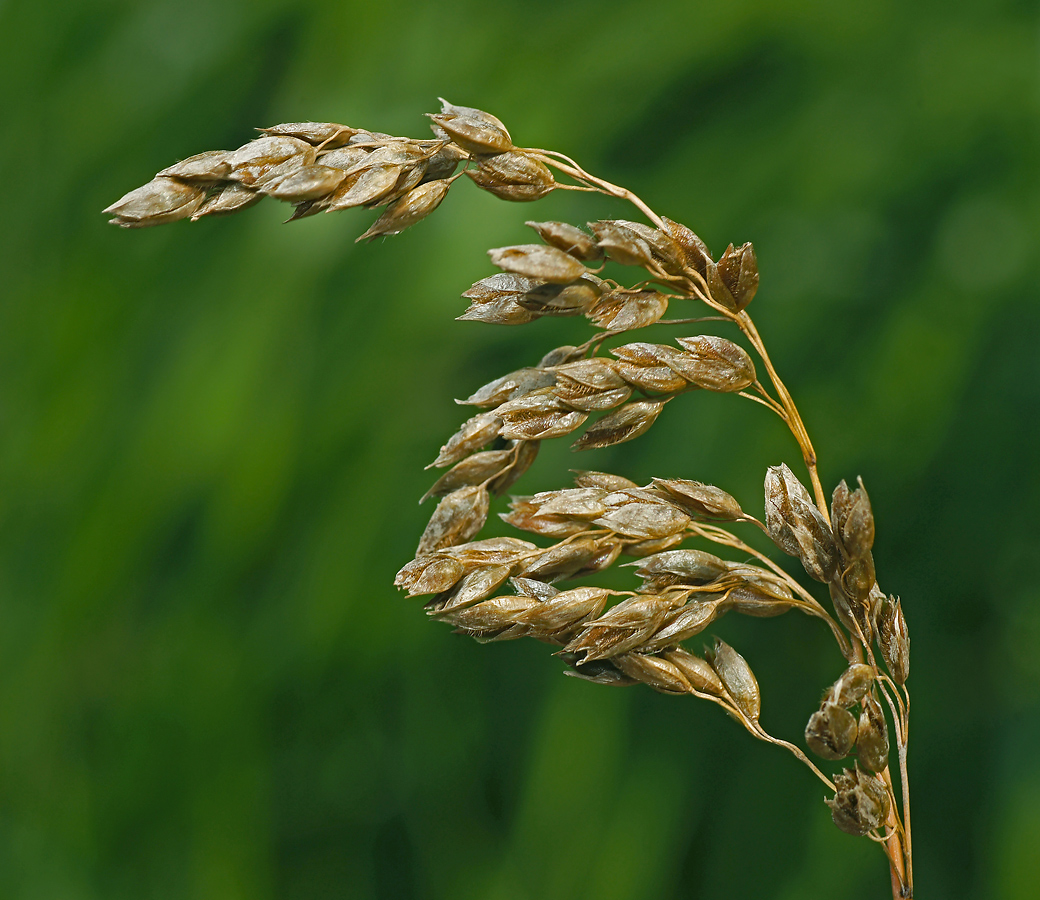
x=606, y=636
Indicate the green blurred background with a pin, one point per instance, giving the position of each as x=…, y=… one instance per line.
x=212, y=440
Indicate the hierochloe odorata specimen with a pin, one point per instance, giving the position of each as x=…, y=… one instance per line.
x=607, y=636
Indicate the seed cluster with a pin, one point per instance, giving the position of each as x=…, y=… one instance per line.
x=505, y=588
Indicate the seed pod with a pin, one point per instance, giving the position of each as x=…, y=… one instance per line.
x=736, y=675
x=558, y=616
x=489, y=618
x=568, y=238
x=538, y=416
x=563, y=300
x=715, y=364
x=474, y=433
x=304, y=183
x=475, y=586
x=692, y=567
x=831, y=732
x=622, y=627
x=474, y=132
x=404, y=212
x=364, y=186
x=605, y=480
x=625, y=424
x=161, y=200
x=538, y=261
x=513, y=167
x=505, y=311
x=586, y=397
x=580, y=503
x=663, y=247
x=499, y=286
x=857, y=580
x=857, y=529
x=625, y=309
x=738, y=271
x=621, y=244
x=872, y=742
x=660, y=674
x=697, y=255
x=692, y=618
x=894, y=639
x=456, y=519
x=268, y=157
x=851, y=686
x=796, y=525
x=756, y=598
x=429, y=575
x=202, y=168
x=490, y=551
x=527, y=516
x=327, y=134
x=515, y=384
x=701, y=499
x=229, y=199
x=696, y=671
x=644, y=520
x=515, y=193
x=860, y=804
x=475, y=469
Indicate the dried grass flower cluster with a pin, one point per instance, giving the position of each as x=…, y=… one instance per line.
x=505, y=588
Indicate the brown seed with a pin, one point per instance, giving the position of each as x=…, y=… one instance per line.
x=692, y=567
x=568, y=238
x=697, y=256
x=852, y=686
x=894, y=639
x=527, y=516
x=644, y=520
x=429, y=575
x=558, y=356
x=472, y=129
x=584, y=478
x=831, y=732
x=538, y=261
x=490, y=551
x=513, y=167
x=538, y=416
x=690, y=619
x=474, y=434
x=413, y=207
x=698, y=672
x=621, y=244
x=701, y=499
x=475, y=586
x=562, y=560
x=860, y=803
x=625, y=310
x=872, y=742
x=345, y=158
x=304, y=183
x=622, y=627
x=738, y=270
x=203, y=168
x=364, y=186
x=490, y=618
x=505, y=311
x=654, y=671
x=736, y=675
x=456, y=519
x=328, y=134
x=715, y=364
x=515, y=384
x=646, y=548
x=625, y=424
x=475, y=469
x=161, y=200
x=558, y=616
x=227, y=200
x=268, y=157
x=796, y=525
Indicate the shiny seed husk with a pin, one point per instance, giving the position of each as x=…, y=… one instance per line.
x=625, y=424
x=872, y=743
x=736, y=675
x=894, y=639
x=852, y=686
x=860, y=803
x=658, y=673
x=701, y=499
x=698, y=672
x=568, y=238
x=831, y=732
x=457, y=518
x=161, y=200
x=717, y=364
x=538, y=261
x=413, y=207
x=474, y=434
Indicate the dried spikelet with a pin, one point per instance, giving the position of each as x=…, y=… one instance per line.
x=472, y=435
x=737, y=677
x=568, y=238
x=457, y=518
x=625, y=424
